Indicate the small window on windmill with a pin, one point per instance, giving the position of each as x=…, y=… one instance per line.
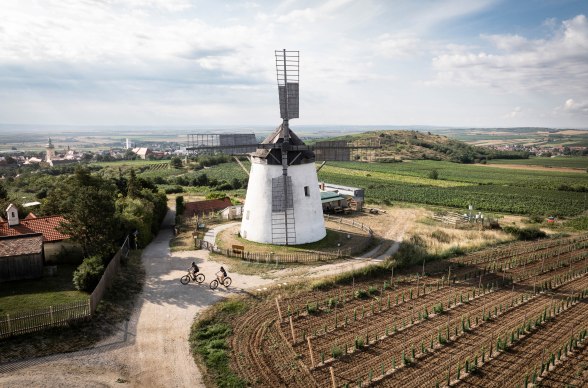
x=306, y=191
x=247, y=216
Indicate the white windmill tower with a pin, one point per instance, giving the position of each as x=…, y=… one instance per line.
x=283, y=204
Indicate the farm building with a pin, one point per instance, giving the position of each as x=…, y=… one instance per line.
x=200, y=208
x=142, y=152
x=54, y=241
x=333, y=202
x=21, y=257
x=232, y=212
x=356, y=195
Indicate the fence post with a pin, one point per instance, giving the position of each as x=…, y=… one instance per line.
x=333, y=376
x=279, y=311
x=9, y=325
x=310, y=351
x=292, y=329
x=51, y=314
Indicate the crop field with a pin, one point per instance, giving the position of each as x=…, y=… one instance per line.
x=571, y=162
x=509, y=316
x=458, y=185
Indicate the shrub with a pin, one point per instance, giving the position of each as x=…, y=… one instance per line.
x=361, y=294
x=180, y=205
x=173, y=189
x=312, y=309
x=525, y=234
x=88, y=274
x=336, y=352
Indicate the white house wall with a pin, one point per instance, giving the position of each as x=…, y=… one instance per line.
x=257, y=212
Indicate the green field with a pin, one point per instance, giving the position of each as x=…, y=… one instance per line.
x=488, y=189
x=560, y=161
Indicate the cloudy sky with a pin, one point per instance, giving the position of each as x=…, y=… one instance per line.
x=475, y=63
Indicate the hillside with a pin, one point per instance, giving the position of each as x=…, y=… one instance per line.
x=413, y=145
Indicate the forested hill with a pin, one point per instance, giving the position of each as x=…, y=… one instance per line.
x=403, y=145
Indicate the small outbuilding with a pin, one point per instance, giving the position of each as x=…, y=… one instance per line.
x=201, y=208
x=21, y=257
x=333, y=202
x=232, y=212
x=54, y=240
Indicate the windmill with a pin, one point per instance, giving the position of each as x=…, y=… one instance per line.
x=283, y=204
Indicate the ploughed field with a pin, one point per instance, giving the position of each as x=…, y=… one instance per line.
x=509, y=316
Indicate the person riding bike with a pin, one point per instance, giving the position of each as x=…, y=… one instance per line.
x=222, y=274
x=194, y=269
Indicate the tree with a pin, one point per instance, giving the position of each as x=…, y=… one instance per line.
x=434, y=174
x=88, y=205
x=176, y=162
x=3, y=192
x=133, y=186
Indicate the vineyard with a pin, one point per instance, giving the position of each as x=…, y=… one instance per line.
x=570, y=162
x=515, y=315
x=496, y=190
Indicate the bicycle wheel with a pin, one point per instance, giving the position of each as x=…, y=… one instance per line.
x=200, y=278
x=227, y=282
x=213, y=284
x=185, y=279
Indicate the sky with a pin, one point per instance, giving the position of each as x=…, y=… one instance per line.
x=458, y=63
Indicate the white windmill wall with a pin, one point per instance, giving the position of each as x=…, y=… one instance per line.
x=256, y=224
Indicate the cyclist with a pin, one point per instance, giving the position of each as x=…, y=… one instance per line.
x=194, y=269
x=222, y=274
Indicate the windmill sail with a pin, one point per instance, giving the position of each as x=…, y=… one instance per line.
x=288, y=75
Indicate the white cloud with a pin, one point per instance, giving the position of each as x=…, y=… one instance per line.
x=514, y=113
x=557, y=64
x=398, y=45
x=575, y=107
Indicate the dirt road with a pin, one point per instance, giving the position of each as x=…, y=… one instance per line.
x=151, y=350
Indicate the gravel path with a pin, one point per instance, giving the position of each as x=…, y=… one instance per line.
x=151, y=349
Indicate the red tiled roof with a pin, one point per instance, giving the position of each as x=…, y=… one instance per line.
x=201, y=207
x=45, y=225
x=21, y=245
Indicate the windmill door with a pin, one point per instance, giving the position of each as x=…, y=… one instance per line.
x=283, y=222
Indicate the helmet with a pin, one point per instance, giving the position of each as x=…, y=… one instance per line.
x=193, y=264
x=222, y=269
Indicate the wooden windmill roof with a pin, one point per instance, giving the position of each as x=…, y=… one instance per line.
x=294, y=157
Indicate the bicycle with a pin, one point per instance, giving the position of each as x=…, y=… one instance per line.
x=190, y=276
x=226, y=282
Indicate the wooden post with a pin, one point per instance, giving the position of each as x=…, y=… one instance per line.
x=310, y=351
x=51, y=314
x=279, y=311
x=333, y=376
x=392, y=278
x=9, y=325
x=292, y=329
